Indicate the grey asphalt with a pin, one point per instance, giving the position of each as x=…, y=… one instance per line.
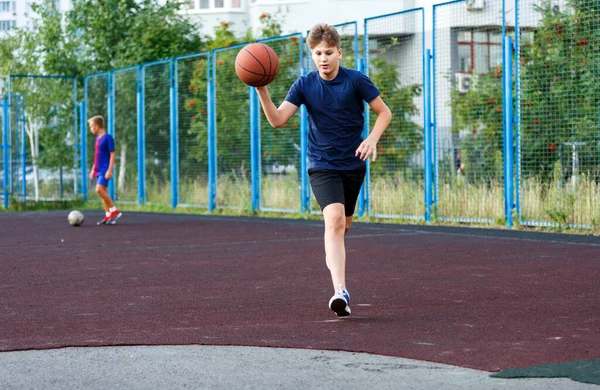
x=232, y=367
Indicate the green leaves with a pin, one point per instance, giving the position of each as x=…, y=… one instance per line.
x=404, y=138
x=559, y=96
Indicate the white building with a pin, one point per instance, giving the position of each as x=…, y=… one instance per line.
x=298, y=15
x=19, y=13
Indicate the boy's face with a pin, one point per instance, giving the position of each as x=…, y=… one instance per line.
x=327, y=58
x=93, y=128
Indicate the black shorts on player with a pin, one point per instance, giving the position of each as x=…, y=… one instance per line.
x=337, y=186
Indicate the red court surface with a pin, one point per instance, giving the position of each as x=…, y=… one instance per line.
x=475, y=298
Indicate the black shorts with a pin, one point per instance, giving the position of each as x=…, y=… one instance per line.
x=333, y=186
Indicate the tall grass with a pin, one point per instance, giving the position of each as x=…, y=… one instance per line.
x=193, y=191
x=397, y=195
x=554, y=203
x=234, y=190
x=461, y=199
x=563, y=203
x=281, y=192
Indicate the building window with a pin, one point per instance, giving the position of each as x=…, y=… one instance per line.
x=479, y=50
x=7, y=6
x=235, y=4
x=219, y=4
x=6, y=25
x=204, y=4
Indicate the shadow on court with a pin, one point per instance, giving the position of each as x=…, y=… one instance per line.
x=475, y=298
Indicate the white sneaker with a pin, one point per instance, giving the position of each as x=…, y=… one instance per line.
x=340, y=302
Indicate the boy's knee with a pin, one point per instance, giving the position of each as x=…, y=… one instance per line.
x=336, y=222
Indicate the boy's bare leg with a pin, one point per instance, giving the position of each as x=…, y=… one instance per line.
x=348, y=224
x=335, y=251
x=107, y=202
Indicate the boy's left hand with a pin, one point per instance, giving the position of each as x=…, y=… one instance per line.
x=366, y=149
x=108, y=175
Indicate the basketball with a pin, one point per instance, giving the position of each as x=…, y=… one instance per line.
x=257, y=64
x=75, y=218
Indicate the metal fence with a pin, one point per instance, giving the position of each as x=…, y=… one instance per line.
x=395, y=44
x=558, y=94
x=497, y=123
x=40, y=139
x=192, y=73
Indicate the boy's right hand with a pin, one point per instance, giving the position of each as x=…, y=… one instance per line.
x=92, y=175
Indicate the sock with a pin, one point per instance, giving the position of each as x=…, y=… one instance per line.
x=112, y=209
x=107, y=213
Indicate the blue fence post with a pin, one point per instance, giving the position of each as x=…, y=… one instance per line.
x=174, y=136
x=111, y=123
x=141, y=143
x=13, y=143
x=427, y=128
x=517, y=45
x=8, y=130
x=363, y=194
x=77, y=150
x=304, y=187
x=83, y=149
x=211, y=77
x=13, y=111
x=23, y=151
x=5, y=122
x=84, y=173
x=304, y=197
x=254, y=148
x=434, y=151
x=508, y=131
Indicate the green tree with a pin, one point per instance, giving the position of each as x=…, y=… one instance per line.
x=232, y=103
x=477, y=115
x=561, y=89
x=98, y=36
x=404, y=138
x=48, y=102
x=559, y=96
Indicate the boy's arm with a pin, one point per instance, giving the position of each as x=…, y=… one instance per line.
x=384, y=117
x=277, y=117
x=92, y=171
x=111, y=165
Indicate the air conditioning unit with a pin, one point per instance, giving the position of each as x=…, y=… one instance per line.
x=475, y=5
x=558, y=6
x=465, y=81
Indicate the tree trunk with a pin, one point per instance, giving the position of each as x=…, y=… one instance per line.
x=32, y=135
x=122, y=168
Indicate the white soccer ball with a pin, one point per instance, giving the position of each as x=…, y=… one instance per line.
x=75, y=218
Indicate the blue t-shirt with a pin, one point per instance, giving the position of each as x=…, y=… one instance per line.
x=335, y=116
x=105, y=144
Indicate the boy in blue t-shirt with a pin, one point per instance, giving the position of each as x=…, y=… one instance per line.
x=102, y=170
x=334, y=98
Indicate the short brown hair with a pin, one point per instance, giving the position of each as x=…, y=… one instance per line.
x=97, y=120
x=323, y=32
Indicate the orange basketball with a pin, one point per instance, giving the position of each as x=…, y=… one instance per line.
x=257, y=64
